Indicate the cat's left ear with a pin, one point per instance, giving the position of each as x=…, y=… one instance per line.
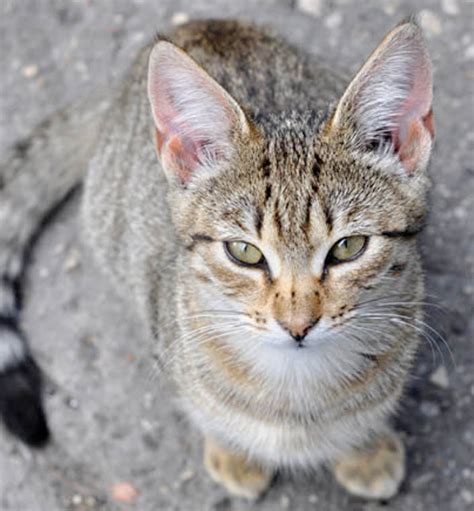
x=390, y=99
x=197, y=121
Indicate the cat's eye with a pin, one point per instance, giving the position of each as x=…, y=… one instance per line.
x=347, y=249
x=244, y=253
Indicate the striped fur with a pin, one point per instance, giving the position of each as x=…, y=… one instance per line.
x=35, y=176
x=296, y=183
x=291, y=171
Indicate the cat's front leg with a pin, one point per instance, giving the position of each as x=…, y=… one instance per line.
x=234, y=471
x=375, y=470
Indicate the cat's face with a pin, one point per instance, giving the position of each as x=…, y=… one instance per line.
x=292, y=233
x=288, y=244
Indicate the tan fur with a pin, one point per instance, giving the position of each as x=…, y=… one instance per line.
x=293, y=188
x=234, y=471
x=293, y=170
x=375, y=472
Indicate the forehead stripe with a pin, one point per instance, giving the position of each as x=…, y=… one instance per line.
x=408, y=233
x=258, y=218
x=199, y=238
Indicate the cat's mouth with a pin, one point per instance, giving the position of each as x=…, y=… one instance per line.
x=296, y=345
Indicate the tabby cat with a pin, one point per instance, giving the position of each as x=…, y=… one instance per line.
x=261, y=215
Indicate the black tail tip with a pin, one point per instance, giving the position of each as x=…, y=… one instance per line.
x=26, y=420
x=21, y=406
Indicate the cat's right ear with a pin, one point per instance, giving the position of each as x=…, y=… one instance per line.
x=196, y=120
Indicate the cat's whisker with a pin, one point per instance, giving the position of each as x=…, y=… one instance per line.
x=195, y=335
x=425, y=325
x=220, y=311
x=411, y=303
x=227, y=329
x=382, y=333
x=426, y=335
x=380, y=298
x=369, y=334
x=211, y=314
x=436, y=299
x=405, y=320
x=395, y=338
x=381, y=301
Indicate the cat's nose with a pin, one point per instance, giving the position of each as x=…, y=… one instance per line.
x=298, y=329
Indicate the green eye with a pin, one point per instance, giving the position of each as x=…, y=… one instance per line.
x=244, y=253
x=347, y=249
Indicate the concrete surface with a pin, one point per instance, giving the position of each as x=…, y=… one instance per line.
x=112, y=419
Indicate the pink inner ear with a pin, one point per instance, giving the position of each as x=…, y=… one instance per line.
x=181, y=153
x=415, y=120
x=176, y=149
x=410, y=148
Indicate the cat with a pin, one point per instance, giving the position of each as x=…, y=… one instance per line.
x=260, y=214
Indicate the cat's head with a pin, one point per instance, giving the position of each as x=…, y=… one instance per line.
x=289, y=232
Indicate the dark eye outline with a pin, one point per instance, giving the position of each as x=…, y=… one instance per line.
x=331, y=260
x=262, y=263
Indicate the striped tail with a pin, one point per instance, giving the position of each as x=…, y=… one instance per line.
x=36, y=175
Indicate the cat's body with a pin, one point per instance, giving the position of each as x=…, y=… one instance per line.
x=128, y=222
x=274, y=362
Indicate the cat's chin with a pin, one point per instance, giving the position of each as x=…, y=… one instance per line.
x=321, y=359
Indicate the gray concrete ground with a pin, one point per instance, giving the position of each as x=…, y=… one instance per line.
x=112, y=418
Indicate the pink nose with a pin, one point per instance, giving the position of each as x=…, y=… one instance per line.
x=298, y=329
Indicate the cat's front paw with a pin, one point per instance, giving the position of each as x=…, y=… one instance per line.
x=233, y=471
x=375, y=471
